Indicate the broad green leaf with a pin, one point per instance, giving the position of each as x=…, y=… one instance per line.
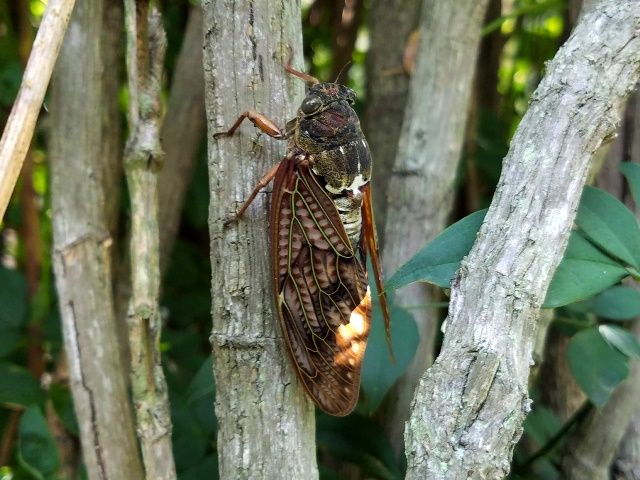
x=583, y=272
x=621, y=339
x=541, y=424
x=438, y=261
x=37, y=448
x=378, y=373
x=190, y=440
x=63, y=403
x=18, y=387
x=359, y=440
x=202, y=383
x=597, y=367
x=10, y=337
x=610, y=225
x=631, y=171
x=617, y=303
x=13, y=298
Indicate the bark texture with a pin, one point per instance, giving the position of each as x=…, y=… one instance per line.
x=387, y=91
x=591, y=448
x=16, y=138
x=82, y=257
x=146, y=46
x=266, y=423
x=421, y=189
x=182, y=134
x=470, y=405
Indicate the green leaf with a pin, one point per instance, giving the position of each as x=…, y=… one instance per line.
x=63, y=404
x=617, y=303
x=13, y=298
x=378, y=373
x=18, y=387
x=438, y=261
x=621, y=339
x=597, y=367
x=541, y=424
x=631, y=171
x=610, y=225
x=202, y=383
x=37, y=448
x=583, y=272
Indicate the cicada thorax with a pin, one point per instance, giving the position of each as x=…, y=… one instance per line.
x=339, y=157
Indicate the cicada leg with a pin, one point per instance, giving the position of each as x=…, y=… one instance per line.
x=310, y=79
x=263, y=182
x=260, y=121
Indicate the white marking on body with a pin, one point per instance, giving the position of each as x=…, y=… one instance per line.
x=358, y=181
x=341, y=150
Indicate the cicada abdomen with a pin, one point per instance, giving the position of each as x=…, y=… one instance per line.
x=321, y=232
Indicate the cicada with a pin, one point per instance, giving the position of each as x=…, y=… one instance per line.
x=322, y=230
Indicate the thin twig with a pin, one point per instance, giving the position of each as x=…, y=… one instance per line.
x=146, y=45
x=16, y=138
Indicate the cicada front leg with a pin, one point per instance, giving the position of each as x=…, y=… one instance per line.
x=270, y=128
x=260, y=121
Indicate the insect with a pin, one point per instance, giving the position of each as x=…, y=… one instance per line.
x=322, y=229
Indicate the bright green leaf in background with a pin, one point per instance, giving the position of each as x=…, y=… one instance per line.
x=583, y=272
x=438, y=261
x=621, y=339
x=631, y=171
x=37, y=449
x=617, y=303
x=597, y=367
x=610, y=225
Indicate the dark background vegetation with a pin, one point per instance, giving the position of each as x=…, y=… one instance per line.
x=36, y=411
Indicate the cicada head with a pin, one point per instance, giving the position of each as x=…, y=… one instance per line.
x=326, y=95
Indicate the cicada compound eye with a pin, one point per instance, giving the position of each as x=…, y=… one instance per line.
x=311, y=105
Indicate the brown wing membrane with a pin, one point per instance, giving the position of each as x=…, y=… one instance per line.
x=321, y=289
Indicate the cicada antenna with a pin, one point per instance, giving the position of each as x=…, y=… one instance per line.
x=311, y=80
x=342, y=71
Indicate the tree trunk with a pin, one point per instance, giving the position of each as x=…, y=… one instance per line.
x=386, y=91
x=81, y=257
x=266, y=424
x=421, y=187
x=470, y=405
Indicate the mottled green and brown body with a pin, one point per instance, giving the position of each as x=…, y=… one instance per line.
x=321, y=233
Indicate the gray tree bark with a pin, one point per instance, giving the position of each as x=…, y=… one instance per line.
x=266, y=424
x=470, y=404
x=81, y=255
x=421, y=187
x=146, y=46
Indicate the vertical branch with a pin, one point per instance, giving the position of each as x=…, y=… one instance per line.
x=386, y=93
x=146, y=45
x=421, y=187
x=81, y=252
x=18, y=131
x=266, y=424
